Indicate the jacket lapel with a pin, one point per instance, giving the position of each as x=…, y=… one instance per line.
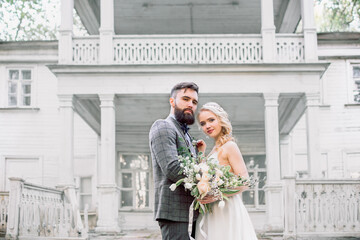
x=178, y=127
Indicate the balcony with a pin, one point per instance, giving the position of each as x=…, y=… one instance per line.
x=327, y=208
x=186, y=49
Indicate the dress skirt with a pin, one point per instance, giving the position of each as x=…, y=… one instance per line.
x=232, y=222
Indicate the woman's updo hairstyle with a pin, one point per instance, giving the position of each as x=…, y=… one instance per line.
x=222, y=116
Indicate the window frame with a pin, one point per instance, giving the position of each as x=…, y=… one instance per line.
x=80, y=194
x=351, y=81
x=345, y=156
x=19, y=94
x=133, y=189
x=255, y=173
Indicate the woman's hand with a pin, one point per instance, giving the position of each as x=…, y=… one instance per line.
x=201, y=146
x=208, y=199
x=240, y=190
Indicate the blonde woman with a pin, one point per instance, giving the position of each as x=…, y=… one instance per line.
x=232, y=221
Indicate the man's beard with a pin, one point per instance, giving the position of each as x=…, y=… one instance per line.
x=183, y=117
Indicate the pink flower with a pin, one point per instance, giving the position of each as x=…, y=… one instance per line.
x=205, y=176
x=203, y=187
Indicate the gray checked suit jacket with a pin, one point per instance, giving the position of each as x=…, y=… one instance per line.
x=164, y=136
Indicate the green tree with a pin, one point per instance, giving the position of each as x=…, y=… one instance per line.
x=26, y=20
x=338, y=15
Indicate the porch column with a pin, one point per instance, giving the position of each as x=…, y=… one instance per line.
x=309, y=30
x=106, y=31
x=66, y=31
x=313, y=135
x=268, y=30
x=273, y=188
x=108, y=194
x=66, y=163
x=287, y=161
x=288, y=175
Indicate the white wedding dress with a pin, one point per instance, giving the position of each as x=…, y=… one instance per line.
x=231, y=222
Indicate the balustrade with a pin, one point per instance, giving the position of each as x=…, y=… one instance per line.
x=289, y=48
x=327, y=206
x=4, y=202
x=38, y=212
x=188, y=49
x=85, y=50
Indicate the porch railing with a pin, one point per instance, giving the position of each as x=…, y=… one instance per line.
x=85, y=50
x=188, y=49
x=37, y=212
x=323, y=208
x=290, y=48
x=4, y=203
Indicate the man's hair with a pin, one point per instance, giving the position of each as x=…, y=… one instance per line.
x=183, y=85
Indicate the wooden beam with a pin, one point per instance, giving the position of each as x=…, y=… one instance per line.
x=291, y=110
x=89, y=13
x=289, y=16
x=89, y=112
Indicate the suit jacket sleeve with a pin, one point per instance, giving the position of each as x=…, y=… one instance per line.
x=163, y=140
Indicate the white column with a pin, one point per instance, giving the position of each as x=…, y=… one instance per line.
x=288, y=175
x=108, y=194
x=313, y=135
x=273, y=188
x=106, y=31
x=287, y=161
x=66, y=161
x=65, y=32
x=309, y=30
x=268, y=30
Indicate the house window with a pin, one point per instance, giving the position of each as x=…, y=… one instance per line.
x=19, y=87
x=255, y=197
x=85, y=192
x=356, y=79
x=134, y=181
x=352, y=165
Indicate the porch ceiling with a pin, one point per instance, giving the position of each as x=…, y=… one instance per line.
x=136, y=113
x=186, y=17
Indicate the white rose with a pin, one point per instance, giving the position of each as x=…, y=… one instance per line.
x=188, y=185
x=173, y=187
x=222, y=204
x=220, y=182
x=196, y=168
x=198, y=177
x=204, y=167
x=219, y=172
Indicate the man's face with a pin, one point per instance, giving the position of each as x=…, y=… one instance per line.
x=184, y=105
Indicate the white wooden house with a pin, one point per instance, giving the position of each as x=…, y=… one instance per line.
x=75, y=114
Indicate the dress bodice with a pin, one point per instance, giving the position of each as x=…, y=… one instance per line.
x=213, y=158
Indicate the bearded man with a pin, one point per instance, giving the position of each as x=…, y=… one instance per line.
x=166, y=137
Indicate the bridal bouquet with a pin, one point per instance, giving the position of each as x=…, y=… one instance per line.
x=205, y=177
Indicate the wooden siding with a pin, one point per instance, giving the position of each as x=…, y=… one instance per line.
x=339, y=124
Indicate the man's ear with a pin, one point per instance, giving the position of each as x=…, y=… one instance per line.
x=172, y=102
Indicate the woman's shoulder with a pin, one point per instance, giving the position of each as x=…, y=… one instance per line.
x=230, y=145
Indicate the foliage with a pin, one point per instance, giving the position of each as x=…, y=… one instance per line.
x=26, y=20
x=205, y=177
x=339, y=15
